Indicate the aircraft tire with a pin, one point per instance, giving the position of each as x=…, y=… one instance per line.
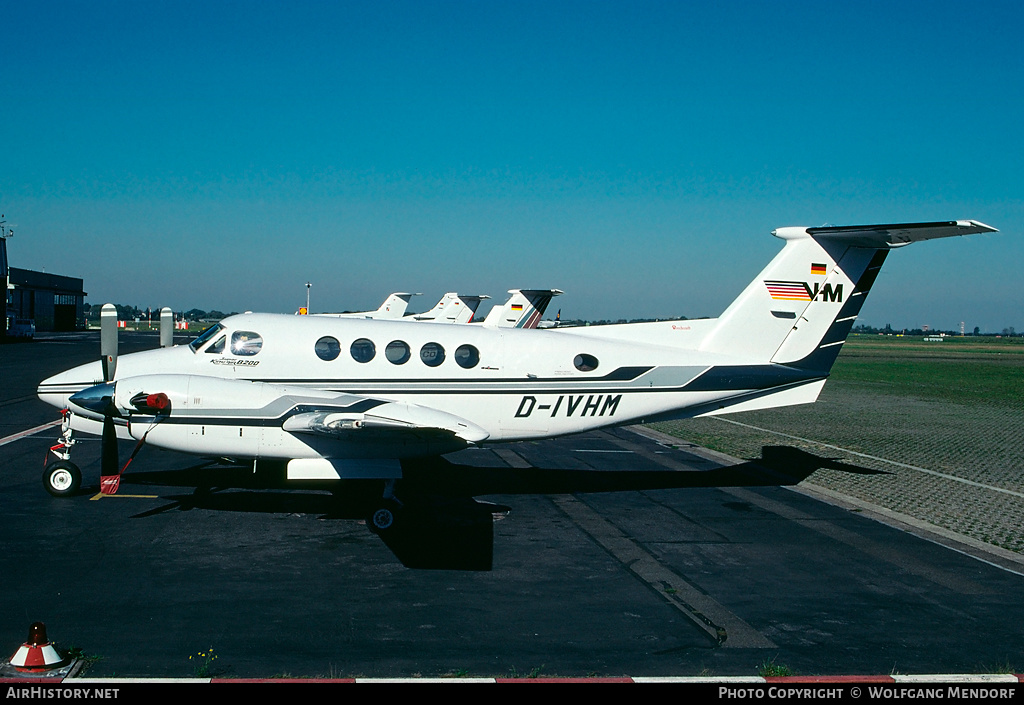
x=384, y=518
x=62, y=478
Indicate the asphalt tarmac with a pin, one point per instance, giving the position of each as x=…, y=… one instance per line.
x=610, y=553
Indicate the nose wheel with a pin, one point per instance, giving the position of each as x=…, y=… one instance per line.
x=62, y=478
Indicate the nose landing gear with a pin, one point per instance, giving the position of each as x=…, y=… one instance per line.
x=61, y=477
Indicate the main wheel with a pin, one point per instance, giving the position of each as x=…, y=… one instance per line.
x=384, y=517
x=62, y=478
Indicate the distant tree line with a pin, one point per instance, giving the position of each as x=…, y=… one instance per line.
x=131, y=313
x=889, y=330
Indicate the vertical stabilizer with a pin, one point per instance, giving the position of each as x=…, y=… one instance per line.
x=452, y=308
x=393, y=307
x=799, y=310
x=524, y=309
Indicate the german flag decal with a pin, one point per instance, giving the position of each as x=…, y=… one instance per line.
x=818, y=269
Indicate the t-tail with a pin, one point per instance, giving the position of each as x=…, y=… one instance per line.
x=452, y=308
x=524, y=309
x=393, y=307
x=800, y=309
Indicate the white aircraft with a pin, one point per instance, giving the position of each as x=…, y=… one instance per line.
x=452, y=308
x=394, y=306
x=523, y=309
x=340, y=398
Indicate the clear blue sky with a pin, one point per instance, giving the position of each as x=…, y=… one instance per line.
x=634, y=154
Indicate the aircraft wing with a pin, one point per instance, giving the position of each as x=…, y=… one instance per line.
x=388, y=419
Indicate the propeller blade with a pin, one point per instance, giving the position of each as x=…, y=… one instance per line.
x=166, y=327
x=108, y=340
x=110, y=470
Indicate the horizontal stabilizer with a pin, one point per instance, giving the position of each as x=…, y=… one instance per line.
x=897, y=234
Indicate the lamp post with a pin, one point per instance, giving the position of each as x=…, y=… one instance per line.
x=5, y=232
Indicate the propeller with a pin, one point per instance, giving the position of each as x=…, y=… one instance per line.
x=100, y=400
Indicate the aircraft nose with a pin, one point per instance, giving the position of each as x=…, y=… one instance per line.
x=57, y=389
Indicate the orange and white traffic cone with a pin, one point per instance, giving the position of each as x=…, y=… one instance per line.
x=37, y=654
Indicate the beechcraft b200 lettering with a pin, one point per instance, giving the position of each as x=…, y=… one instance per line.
x=341, y=398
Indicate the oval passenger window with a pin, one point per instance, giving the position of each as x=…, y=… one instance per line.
x=327, y=348
x=432, y=354
x=397, y=352
x=363, y=350
x=585, y=363
x=467, y=356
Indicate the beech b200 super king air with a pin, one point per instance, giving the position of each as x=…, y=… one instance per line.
x=348, y=398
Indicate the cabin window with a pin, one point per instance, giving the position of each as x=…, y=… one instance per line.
x=245, y=343
x=397, y=352
x=432, y=354
x=327, y=348
x=363, y=350
x=207, y=335
x=467, y=356
x=584, y=362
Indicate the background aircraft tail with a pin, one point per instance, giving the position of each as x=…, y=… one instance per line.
x=799, y=310
x=524, y=309
x=452, y=308
x=393, y=307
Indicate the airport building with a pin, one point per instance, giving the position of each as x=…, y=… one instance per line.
x=51, y=301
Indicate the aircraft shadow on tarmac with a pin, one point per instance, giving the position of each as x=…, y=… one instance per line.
x=442, y=526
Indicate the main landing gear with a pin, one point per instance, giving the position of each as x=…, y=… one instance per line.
x=386, y=513
x=61, y=477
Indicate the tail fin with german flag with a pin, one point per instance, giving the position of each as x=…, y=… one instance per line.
x=799, y=310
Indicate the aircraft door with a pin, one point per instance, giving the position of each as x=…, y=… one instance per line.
x=523, y=413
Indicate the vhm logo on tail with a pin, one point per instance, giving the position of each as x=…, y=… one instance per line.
x=802, y=291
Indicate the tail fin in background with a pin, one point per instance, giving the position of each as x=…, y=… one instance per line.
x=452, y=308
x=393, y=307
x=524, y=309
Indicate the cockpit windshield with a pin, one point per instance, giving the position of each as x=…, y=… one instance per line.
x=208, y=335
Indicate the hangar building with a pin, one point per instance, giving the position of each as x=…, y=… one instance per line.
x=52, y=301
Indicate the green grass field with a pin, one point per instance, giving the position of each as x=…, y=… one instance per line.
x=930, y=430
x=965, y=370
